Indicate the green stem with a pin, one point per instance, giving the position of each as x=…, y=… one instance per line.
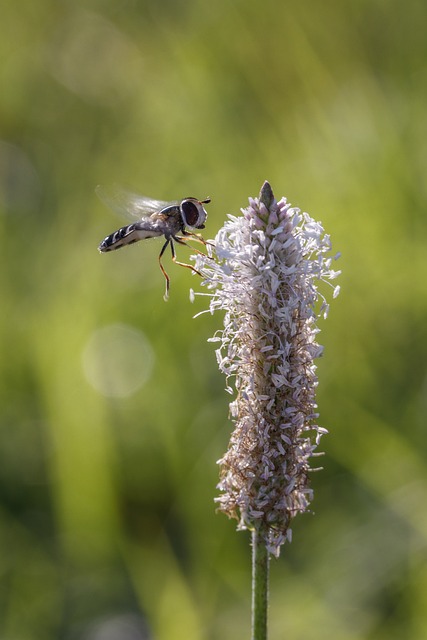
x=260, y=567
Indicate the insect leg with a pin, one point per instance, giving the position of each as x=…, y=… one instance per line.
x=168, y=241
x=194, y=236
x=183, y=264
x=197, y=237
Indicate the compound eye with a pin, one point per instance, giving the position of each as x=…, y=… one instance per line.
x=190, y=213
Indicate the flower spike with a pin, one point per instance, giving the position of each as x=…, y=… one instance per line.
x=264, y=274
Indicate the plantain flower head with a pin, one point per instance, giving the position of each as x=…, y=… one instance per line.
x=265, y=272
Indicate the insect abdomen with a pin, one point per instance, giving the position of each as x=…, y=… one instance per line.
x=126, y=235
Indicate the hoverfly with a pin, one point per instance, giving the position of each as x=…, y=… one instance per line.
x=154, y=218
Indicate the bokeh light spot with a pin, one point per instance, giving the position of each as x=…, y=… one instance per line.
x=117, y=360
x=94, y=59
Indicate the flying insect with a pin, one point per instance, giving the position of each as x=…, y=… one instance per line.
x=154, y=218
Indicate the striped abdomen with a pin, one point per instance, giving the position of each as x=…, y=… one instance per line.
x=128, y=235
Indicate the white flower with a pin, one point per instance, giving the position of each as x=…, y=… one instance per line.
x=265, y=273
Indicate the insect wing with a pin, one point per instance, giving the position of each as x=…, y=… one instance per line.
x=128, y=204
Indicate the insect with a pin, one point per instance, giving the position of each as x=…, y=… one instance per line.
x=154, y=218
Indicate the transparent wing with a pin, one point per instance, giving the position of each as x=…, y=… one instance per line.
x=128, y=204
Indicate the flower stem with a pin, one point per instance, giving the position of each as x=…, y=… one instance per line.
x=260, y=572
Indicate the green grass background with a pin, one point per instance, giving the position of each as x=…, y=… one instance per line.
x=107, y=522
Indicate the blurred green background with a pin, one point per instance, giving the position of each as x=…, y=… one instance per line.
x=113, y=412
